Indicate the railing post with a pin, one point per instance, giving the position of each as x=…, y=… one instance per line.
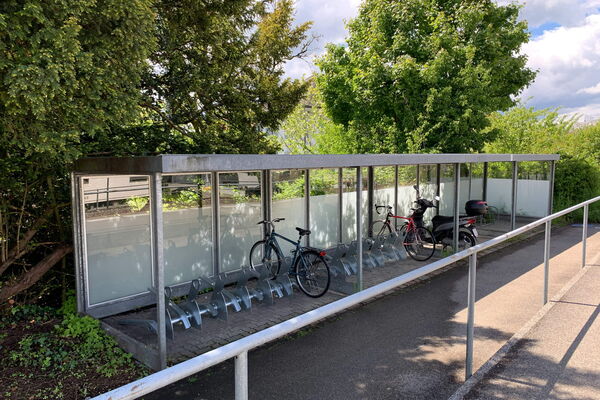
x=241, y=376
x=359, y=256
x=547, y=259
x=471, y=314
x=584, y=238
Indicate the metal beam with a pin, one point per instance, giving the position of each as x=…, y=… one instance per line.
x=551, y=187
x=77, y=240
x=186, y=163
x=158, y=264
x=456, y=206
x=485, y=180
x=216, y=223
x=340, y=208
x=370, y=195
x=307, y=203
x=359, y=256
x=515, y=182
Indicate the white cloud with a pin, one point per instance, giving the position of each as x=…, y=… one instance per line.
x=563, y=12
x=591, y=90
x=568, y=60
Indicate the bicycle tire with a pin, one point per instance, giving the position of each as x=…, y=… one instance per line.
x=420, y=244
x=315, y=282
x=379, y=228
x=257, y=258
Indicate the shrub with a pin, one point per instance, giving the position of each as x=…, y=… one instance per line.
x=576, y=180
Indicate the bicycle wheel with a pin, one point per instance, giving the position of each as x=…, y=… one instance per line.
x=379, y=228
x=312, y=273
x=419, y=244
x=269, y=257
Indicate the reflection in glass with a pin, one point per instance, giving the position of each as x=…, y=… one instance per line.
x=289, y=203
x=187, y=221
x=117, y=234
x=324, y=199
x=349, y=204
x=428, y=188
x=407, y=178
x=241, y=209
x=533, y=189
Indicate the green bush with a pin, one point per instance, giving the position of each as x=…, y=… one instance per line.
x=576, y=180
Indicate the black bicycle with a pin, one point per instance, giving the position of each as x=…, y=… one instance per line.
x=308, y=265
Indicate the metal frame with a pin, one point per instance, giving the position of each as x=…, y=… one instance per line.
x=156, y=167
x=240, y=348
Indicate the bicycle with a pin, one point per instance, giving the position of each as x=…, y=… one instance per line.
x=418, y=240
x=309, y=266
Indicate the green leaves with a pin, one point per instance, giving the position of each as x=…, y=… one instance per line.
x=421, y=75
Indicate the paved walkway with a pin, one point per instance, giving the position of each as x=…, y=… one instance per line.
x=559, y=357
x=408, y=345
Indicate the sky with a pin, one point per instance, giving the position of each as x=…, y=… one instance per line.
x=564, y=48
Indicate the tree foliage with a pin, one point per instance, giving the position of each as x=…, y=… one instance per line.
x=217, y=76
x=308, y=129
x=422, y=75
x=68, y=68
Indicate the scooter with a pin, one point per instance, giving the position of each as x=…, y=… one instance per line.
x=443, y=226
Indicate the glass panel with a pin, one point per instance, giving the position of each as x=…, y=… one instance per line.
x=428, y=188
x=240, y=207
x=533, y=189
x=187, y=224
x=288, y=202
x=407, y=178
x=383, y=186
x=476, y=182
x=499, y=196
x=117, y=224
x=324, y=211
x=447, y=190
x=465, y=186
x=349, y=204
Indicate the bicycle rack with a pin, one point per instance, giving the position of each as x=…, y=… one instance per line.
x=337, y=265
x=377, y=251
x=368, y=258
x=350, y=259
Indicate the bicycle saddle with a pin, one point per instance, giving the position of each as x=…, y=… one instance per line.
x=303, y=232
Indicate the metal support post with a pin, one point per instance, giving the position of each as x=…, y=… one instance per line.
x=470, y=170
x=418, y=175
x=370, y=196
x=456, y=206
x=485, y=180
x=359, y=256
x=584, y=238
x=77, y=240
x=340, y=206
x=307, y=203
x=396, y=196
x=159, y=265
x=265, y=193
x=216, y=223
x=551, y=188
x=241, y=376
x=547, y=259
x=471, y=314
x=438, y=184
x=515, y=181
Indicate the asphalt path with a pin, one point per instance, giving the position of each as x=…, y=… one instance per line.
x=409, y=344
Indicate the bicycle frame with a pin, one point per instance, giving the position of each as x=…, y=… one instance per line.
x=271, y=240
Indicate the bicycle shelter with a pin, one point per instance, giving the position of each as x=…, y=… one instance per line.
x=146, y=227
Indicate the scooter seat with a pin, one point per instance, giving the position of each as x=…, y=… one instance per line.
x=440, y=219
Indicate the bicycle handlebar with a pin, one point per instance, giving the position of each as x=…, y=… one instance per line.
x=378, y=207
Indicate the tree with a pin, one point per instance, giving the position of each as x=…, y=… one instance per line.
x=308, y=129
x=217, y=76
x=68, y=68
x=422, y=75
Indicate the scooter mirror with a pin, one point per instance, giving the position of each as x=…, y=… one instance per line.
x=437, y=198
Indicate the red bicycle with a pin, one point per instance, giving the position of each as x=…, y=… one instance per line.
x=418, y=240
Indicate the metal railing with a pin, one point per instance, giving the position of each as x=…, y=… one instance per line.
x=239, y=349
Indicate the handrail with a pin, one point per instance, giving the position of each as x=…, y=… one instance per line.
x=240, y=348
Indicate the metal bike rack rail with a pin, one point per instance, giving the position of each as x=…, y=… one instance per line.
x=239, y=349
